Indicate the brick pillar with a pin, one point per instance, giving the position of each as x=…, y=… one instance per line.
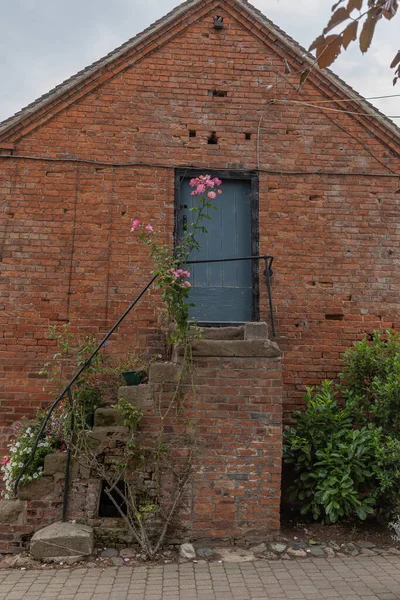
x=236, y=392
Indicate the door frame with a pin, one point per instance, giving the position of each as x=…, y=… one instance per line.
x=253, y=178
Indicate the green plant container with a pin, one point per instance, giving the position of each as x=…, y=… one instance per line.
x=132, y=377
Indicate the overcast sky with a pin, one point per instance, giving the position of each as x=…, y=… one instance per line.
x=43, y=42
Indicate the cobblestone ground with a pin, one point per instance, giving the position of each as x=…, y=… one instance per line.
x=362, y=578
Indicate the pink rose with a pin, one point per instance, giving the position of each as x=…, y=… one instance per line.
x=212, y=195
x=135, y=224
x=217, y=181
x=149, y=228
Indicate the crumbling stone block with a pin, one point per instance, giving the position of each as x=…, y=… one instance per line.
x=37, y=490
x=12, y=511
x=164, y=373
x=256, y=331
x=139, y=395
x=108, y=417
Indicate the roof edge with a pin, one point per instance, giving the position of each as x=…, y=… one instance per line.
x=7, y=127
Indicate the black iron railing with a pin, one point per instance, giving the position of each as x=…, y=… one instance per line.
x=67, y=391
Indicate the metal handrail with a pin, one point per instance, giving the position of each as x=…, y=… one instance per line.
x=67, y=390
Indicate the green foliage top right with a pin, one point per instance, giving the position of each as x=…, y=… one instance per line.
x=371, y=381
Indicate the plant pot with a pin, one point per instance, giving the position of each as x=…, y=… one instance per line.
x=133, y=377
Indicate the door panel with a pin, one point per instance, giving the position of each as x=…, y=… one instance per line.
x=221, y=292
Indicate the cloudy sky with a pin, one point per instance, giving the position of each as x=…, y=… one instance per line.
x=45, y=41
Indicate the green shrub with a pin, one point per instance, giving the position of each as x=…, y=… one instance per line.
x=371, y=381
x=340, y=471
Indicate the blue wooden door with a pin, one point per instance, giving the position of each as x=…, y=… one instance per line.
x=221, y=292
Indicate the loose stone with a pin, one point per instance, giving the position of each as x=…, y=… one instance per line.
x=300, y=553
x=278, y=548
x=109, y=553
x=187, y=551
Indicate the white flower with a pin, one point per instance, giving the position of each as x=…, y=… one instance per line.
x=21, y=464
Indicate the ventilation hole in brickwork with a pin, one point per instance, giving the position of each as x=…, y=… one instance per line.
x=315, y=197
x=334, y=317
x=97, y=169
x=192, y=133
x=390, y=252
x=326, y=283
x=205, y=35
x=65, y=211
x=302, y=323
x=213, y=138
x=107, y=509
x=10, y=215
x=247, y=136
x=219, y=94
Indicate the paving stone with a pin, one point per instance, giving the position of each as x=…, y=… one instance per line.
x=362, y=578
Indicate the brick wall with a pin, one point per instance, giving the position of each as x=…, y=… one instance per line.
x=66, y=250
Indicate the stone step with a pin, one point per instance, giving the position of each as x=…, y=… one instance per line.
x=234, y=349
x=223, y=333
x=249, y=331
